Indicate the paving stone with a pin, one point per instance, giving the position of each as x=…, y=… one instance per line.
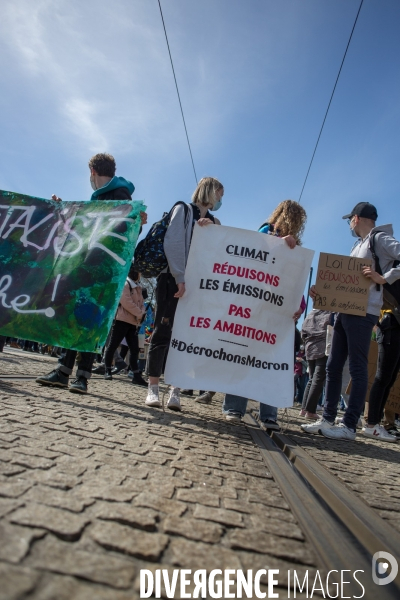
x=201, y=478
x=126, y=514
x=219, y=515
x=268, y=499
x=86, y=434
x=15, y=581
x=35, y=450
x=256, y=562
x=7, y=505
x=8, y=437
x=259, y=511
x=172, y=507
x=178, y=481
x=70, y=500
x=277, y=527
x=121, y=538
x=15, y=541
x=14, y=489
x=164, y=489
x=9, y=470
x=64, y=587
x=258, y=541
x=193, y=529
x=381, y=502
x=71, y=450
x=61, y=557
x=195, y=555
x=63, y=523
x=54, y=479
x=198, y=496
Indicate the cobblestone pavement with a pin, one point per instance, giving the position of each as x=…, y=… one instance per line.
x=94, y=488
x=369, y=468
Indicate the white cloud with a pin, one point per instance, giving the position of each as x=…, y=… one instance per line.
x=107, y=69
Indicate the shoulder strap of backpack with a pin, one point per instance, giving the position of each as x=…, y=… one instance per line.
x=185, y=208
x=375, y=257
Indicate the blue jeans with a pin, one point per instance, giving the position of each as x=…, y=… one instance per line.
x=238, y=404
x=352, y=338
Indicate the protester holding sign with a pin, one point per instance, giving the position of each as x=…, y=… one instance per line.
x=352, y=333
x=287, y=222
x=171, y=282
x=106, y=186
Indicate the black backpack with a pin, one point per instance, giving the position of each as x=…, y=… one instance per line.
x=149, y=257
x=391, y=291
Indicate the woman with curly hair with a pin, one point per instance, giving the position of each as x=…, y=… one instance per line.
x=287, y=222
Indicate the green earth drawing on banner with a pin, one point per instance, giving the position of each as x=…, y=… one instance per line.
x=63, y=266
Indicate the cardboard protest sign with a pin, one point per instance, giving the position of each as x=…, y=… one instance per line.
x=340, y=286
x=63, y=266
x=393, y=401
x=233, y=329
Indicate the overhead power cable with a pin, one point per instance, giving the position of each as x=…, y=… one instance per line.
x=330, y=101
x=177, y=91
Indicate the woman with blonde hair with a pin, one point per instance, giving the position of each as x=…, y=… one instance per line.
x=287, y=222
x=171, y=282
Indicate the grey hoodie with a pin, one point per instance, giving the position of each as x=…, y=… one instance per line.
x=177, y=242
x=387, y=249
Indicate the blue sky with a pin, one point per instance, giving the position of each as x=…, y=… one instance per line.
x=255, y=78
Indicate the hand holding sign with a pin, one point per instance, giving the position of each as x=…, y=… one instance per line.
x=341, y=284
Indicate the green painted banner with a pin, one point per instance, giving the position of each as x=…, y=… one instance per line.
x=63, y=266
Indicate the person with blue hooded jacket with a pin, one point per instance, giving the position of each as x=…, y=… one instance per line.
x=106, y=186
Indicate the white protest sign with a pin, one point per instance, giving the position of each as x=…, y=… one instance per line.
x=233, y=329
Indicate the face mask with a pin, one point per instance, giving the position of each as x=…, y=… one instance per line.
x=92, y=183
x=216, y=206
x=353, y=233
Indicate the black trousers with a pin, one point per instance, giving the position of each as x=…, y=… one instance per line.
x=315, y=385
x=119, y=331
x=163, y=322
x=84, y=365
x=388, y=338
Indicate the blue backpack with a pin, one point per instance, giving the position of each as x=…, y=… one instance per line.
x=149, y=258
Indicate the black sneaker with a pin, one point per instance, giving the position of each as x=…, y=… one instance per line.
x=137, y=379
x=119, y=367
x=99, y=370
x=269, y=424
x=107, y=375
x=56, y=378
x=79, y=386
x=187, y=392
x=394, y=431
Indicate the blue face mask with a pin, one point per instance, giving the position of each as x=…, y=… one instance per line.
x=353, y=233
x=216, y=206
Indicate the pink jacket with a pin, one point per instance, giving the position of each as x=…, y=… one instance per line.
x=131, y=307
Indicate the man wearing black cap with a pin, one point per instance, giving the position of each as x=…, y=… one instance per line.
x=352, y=333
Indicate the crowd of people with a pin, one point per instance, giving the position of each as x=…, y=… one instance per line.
x=318, y=365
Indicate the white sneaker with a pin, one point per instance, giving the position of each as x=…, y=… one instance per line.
x=339, y=420
x=339, y=432
x=152, y=397
x=379, y=433
x=174, y=402
x=318, y=426
x=233, y=416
